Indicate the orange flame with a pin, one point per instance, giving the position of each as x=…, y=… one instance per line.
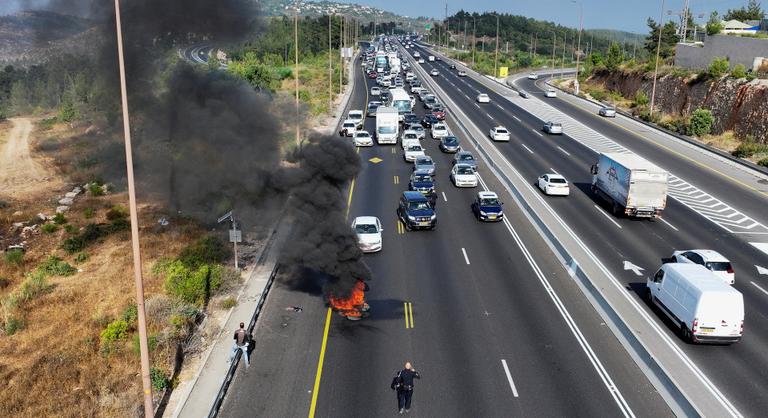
x=353, y=306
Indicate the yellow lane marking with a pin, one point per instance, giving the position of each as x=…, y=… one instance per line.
x=400, y=228
x=349, y=199
x=320, y=361
x=408, y=313
x=397, y=179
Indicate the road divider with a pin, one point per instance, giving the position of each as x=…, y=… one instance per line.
x=408, y=313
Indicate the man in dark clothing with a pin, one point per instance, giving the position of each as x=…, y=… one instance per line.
x=240, y=343
x=432, y=197
x=405, y=387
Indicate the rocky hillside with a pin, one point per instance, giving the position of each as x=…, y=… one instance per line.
x=31, y=37
x=737, y=105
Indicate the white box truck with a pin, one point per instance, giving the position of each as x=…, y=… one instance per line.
x=387, y=124
x=632, y=185
x=705, y=308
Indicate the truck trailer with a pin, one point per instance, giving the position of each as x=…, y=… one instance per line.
x=632, y=185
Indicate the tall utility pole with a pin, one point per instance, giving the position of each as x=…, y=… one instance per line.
x=446, y=26
x=330, y=66
x=464, y=44
x=341, y=49
x=658, y=50
x=474, y=41
x=554, y=43
x=562, y=61
x=296, y=73
x=535, y=43
x=578, y=48
x=496, y=61
x=146, y=381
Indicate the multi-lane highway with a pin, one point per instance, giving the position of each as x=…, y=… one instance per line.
x=494, y=324
x=740, y=370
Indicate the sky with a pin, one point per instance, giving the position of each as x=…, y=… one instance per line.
x=627, y=15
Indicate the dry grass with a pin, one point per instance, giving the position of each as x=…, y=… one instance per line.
x=725, y=141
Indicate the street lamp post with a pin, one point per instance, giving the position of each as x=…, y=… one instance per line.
x=474, y=40
x=578, y=48
x=496, y=61
x=658, y=50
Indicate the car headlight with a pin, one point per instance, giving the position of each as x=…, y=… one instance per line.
x=433, y=217
x=482, y=212
x=412, y=218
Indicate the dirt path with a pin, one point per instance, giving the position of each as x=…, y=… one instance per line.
x=19, y=173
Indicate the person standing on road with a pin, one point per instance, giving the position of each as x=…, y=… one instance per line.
x=240, y=343
x=403, y=383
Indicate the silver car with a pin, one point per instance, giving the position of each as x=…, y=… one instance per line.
x=553, y=128
x=424, y=164
x=607, y=112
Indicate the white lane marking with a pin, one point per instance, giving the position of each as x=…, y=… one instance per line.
x=529, y=150
x=509, y=377
x=762, y=246
x=607, y=216
x=628, y=265
x=758, y=286
x=499, y=106
x=516, y=118
x=553, y=170
x=538, y=133
x=489, y=116
x=564, y=151
x=444, y=197
x=463, y=251
x=669, y=224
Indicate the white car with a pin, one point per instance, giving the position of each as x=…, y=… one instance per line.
x=463, y=175
x=533, y=76
x=553, y=128
x=416, y=54
x=363, y=139
x=439, y=130
x=607, y=112
x=499, y=133
x=550, y=93
x=348, y=127
x=417, y=89
x=375, y=91
x=553, y=185
x=412, y=151
x=711, y=260
x=409, y=135
x=462, y=73
x=356, y=115
x=416, y=127
x=368, y=231
x=434, y=73
x=483, y=98
x=421, y=61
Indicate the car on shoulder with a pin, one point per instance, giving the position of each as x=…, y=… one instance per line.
x=375, y=91
x=524, y=94
x=607, y=112
x=499, y=133
x=421, y=181
x=483, y=98
x=368, y=231
x=553, y=128
x=550, y=93
x=412, y=151
x=553, y=184
x=429, y=120
x=465, y=157
x=372, y=106
x=425, y=164
x=463, y=175
x=439, y=130
x=348, y=127
x=434, y=73
x=420, y=131
x=363, y=139
x=487, y=207
x=410, y=118
x=415, y=211
x=462, y=73
x=533, y=76
x=449, y=144
x=711, y=260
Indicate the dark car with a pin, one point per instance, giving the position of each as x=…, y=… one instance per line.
x=430, y=101
x=449, y=144
x=487, y=207
x=438, y=111
x=415, y=211
x=465, y=157
x=384, y=94
x=422, y=181
x=372, y=106
x=429, y=120
x=410, y=118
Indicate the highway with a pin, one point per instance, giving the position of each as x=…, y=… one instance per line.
x=740, y=370
x=495, y=324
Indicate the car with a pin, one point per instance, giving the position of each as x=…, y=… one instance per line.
x=465, y=157
x=462, y=73
x=348, y=127
x=408, y=136
x=372, y=74
x=434, y=73
x=438, y=111
x=362, y=139
x=553, y=184
x=533, y=76
x=463, y=175
x=412, y=151
x=410, y=118
x=607, y=112
x=384, y=95
x=449, y=144
x=420, y=131
x=421, y=61
x=499, y=133
x=372, y=106
x=375, y=91
x=415, y=211
x=368, y=231
x=550, y=93
x=416, y=88
x=416, y=54
x=453, y=66
x=421, y=181
x=430, y=101
x=553, y=128
x=711, y=260
x=425, y=164
x=483, y=98
x=423, y=94
x=429, y=120
x=439, y=130
x=524, y=94
x=487, y=207
x=439, y=59
x=431, y=58
x=356, y=115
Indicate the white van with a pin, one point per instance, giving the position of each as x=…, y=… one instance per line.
x=705, y=308
x=431, y=58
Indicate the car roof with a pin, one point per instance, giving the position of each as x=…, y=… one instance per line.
x=422, y=172
x=482, y=94
x=362, y=132
x=554, y=176
x=346, y=121
x=424, y=157
x=355, y=111
x=413, y=195
x=487, y=195
x=366, y=220
x=709, y=255
x=500, y=127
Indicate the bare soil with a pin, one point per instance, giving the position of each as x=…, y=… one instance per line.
x=21, y=175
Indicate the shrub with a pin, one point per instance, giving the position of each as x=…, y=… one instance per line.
x=641, y=99
x=229, y=303
x=190, y=285
x=13, y=325
x=4, y=282
x=748, y=148
x=15, y=257
x=81, y=258
x=151, y=344
x=117, y=212
x=55, y=266
x=159, y=379
x=701, y=122
x=206, y=250
x=71, y=229
x=59, y=219
x=763, y=162
x=33, y=286
x=96, y=189
x=49, y=228
x=739, y=71
x=718, y=67
x=130, y=314
x=115, y=331
x=88, y=213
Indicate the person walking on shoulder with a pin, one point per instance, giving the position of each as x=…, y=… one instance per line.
x=403, y=383
x=240, y=343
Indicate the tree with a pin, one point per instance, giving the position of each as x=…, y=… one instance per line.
x=595, y=58
x=752, y=11
x=739, y=71
x=614, y=58
x=718, y=67
x=668, y=38
x=701, y=122
x=713, y=24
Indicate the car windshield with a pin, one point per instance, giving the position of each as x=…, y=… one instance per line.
x=410, y=136
x=718, y=265
x=349, y=124
x=418, y=178
x=465, y=170
x=418, y=206
x=489, y=201
x=424, y=161
x=366, y=229
x=501, y=131
x=466, y=157
x=417, y=128
x=556, y=180
x=430, y=99
x=450, y=140
x=362, y=135
x=414, y=147
x=438, y=128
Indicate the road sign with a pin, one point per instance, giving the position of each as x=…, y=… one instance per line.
x=235, y=235
x=427, y=26
x=503, y=72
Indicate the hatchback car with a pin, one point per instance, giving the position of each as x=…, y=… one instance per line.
x=487, y=207
x=465, y=157
x=463, y=175
x=372, y=106
x=449, y=144
x=439, y=130
x=438, y=111
x=430, y=101
x=363, y=139
x=499, y=133
x=553, y=128
x=424, y=164
x=607, y=112
x=711, y=260
x=422, y=182
x=421, y=61
x=415, y=212
x=483, y=98
x=368, y=231
x=553, y=185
